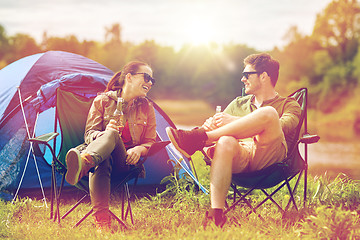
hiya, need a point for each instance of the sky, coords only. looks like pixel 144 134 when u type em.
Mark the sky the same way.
pixel 261 24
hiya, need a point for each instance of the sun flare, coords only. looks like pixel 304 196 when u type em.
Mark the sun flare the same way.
pixel 200 31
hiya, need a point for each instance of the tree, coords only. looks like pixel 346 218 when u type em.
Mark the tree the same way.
pixel 22 45
pixel 4 44
pixel 114 51
pixel 113 34
pixel 68 44
pixel 337 29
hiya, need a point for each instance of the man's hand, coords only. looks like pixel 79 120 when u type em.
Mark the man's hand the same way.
pixel 208 125
pixel 218 120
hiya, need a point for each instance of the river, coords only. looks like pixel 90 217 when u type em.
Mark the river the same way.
pixel 334 158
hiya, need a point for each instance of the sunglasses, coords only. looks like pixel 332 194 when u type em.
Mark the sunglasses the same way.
pixel 247 74
pixel 147 78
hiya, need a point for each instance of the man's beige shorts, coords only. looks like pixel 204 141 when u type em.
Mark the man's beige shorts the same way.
pixel 255 155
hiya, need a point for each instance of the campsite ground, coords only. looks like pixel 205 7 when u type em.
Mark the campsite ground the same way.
pixel 332 211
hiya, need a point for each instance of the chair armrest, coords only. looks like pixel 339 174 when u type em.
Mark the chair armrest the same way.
pixel 155 147
pixel 44 138
pixel 309 139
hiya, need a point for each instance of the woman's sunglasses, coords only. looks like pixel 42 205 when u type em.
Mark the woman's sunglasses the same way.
pixel 147 78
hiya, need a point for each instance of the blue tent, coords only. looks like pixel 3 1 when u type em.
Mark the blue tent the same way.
pixel 27 109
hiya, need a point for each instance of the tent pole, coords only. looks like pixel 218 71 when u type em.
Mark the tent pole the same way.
pixel 185 169
pixel 30 150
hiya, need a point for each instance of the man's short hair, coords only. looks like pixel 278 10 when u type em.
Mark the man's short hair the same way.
pixel 263 62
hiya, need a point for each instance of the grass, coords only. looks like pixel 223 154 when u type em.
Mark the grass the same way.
pixel 332 212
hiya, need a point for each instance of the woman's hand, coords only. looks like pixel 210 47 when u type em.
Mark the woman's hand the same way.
pixel 112 126
pixel 134 154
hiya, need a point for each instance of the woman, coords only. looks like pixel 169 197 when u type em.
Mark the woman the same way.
pixel 111 147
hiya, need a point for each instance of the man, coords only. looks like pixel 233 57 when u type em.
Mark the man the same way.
pixel 249 135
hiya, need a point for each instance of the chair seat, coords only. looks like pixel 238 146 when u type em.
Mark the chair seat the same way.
pixel 267 177
pixel 264 178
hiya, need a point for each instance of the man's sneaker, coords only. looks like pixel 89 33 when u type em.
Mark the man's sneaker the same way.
pixel 187 142
pixel 77 166
pixel 215 216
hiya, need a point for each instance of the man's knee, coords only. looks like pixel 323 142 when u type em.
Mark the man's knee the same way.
pixel 227 144
pixel 268 114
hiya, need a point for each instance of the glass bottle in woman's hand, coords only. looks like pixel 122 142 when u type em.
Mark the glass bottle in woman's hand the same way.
pixel 117 119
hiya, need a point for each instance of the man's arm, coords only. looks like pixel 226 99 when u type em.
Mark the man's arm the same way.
pixel 290 117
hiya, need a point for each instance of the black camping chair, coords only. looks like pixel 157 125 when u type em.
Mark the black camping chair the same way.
pixel 57 166
pixel 279 174
pixel 71 112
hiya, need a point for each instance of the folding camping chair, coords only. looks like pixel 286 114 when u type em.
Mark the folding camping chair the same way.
pixel 71 111
pixel 279 174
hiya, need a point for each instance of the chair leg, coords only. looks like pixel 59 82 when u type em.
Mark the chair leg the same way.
pixel 52 193
pixel 269 197
pixel 126 198
pixel 246 201
pixel 129 210
pixel 53 176
pixel 305 185
pixel 242 197
pixel 118 219
pixel 123 204
pixel 75 205
pixel 291 196
pixel 57 213
pixel 83 218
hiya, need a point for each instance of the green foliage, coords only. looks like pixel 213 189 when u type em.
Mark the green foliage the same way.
pixel 340 192
pixel 331 223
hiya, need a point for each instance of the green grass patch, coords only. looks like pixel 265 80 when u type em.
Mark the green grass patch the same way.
pixel 332 212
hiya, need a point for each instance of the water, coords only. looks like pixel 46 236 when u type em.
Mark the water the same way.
pixel 334 158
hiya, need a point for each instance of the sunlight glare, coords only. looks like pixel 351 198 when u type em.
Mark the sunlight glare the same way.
pixel 200 31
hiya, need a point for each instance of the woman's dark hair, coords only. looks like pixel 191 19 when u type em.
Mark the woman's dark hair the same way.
pixel 118 79
pixel 263 62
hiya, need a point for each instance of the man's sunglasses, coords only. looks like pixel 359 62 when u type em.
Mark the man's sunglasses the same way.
pixel 147 78
pixel 247 74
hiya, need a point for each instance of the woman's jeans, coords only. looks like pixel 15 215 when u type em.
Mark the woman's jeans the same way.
pixel 109 154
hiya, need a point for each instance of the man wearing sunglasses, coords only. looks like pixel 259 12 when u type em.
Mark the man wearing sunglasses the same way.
pixel 250 134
